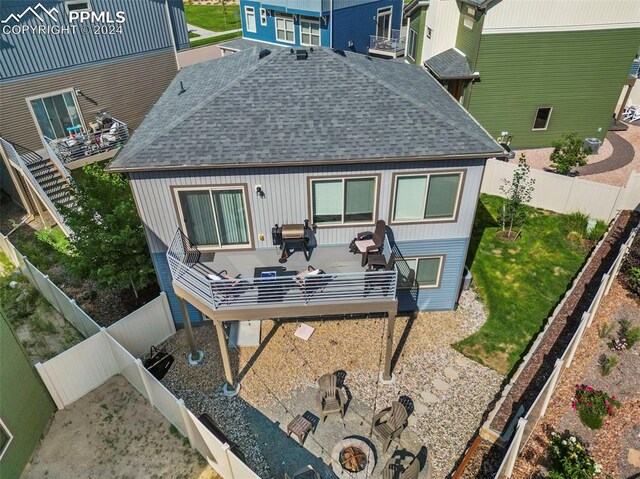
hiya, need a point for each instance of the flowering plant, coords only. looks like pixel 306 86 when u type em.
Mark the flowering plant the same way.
pixel 593 405
pixel 570 459
pixel 618 344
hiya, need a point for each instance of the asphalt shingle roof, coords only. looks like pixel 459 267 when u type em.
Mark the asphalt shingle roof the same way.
pixel 334 106
pixel 238 44
pixel 449 65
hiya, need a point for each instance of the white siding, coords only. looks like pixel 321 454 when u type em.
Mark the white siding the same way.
pixel 442 18
pixel 561 15
pixel 286 200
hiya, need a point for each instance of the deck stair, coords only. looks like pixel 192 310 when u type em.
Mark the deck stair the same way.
pixel 47 178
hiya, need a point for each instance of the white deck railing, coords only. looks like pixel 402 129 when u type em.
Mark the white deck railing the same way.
pixel 361 286
pixel 394 43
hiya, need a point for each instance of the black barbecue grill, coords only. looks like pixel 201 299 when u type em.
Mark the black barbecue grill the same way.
pixel 290 237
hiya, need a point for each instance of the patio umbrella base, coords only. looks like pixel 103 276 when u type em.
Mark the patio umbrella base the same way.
pixel 197 360
pixel 231 392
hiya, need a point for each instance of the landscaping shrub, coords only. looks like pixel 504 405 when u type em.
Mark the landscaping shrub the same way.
pixel 54 238
pixel 570 459
pixel 628 335
pixel 576 228
pixel 607 363
pixel 593 405
pixel 630 270
pixel 567 153
pixel 606 330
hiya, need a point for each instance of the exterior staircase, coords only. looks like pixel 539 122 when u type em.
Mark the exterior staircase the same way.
pixel 47 180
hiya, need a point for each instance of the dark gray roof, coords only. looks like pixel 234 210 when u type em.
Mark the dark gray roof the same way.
pixel 238 44
pixel 450 65
pixel 242 110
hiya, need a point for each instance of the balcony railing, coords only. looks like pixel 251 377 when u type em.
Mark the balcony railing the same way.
pixel 82 145
pixel 361 286
pixel 392 45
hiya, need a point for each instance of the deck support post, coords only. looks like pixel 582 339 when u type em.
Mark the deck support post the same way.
pixel 231 388
pixel 196 356
pixel 387 376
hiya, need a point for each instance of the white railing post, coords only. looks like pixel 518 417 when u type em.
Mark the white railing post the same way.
pixel 167 311
pixel 54 299
pixel 226 450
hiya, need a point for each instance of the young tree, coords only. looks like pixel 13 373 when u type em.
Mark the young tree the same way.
pixel 517 193
pixel 567 153
pixel 108 242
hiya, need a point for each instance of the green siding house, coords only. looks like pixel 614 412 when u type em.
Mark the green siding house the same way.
pixel 25 405
pixel 528 74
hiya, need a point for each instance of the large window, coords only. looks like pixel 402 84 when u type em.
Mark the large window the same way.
pixel 250 19
pixel 423 272
pixel 215 217
pixel 426 197
pixel 309 31
pixel 543 115
pixel 55 114
pixel 5 438
pixel 412 44
pixel 343 200
pixel 284 28
pixel 383 22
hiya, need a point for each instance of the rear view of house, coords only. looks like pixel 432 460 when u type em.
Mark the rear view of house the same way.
pixel 76 77
pixel 528 70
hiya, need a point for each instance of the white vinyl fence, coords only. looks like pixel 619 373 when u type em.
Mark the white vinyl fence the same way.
pixel 115 350
pixel 66 306
pixel 86 366
pixel 566 195
pixel 526 425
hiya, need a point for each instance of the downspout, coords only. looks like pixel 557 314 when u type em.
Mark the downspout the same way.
pixel 331 24
pixel 173 38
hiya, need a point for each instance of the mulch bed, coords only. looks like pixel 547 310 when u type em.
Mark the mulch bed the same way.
pixel 534 375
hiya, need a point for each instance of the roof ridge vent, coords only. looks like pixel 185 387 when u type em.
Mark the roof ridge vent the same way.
pixel 263 53
pixel 302 54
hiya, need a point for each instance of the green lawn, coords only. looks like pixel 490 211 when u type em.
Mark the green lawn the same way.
pixel 519 283
pixel 211 17
pixel 216 39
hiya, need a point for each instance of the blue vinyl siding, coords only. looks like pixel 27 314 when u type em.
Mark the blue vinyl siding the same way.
pixel 145 30
pixel 354 21
pixel 356 24
pixel 164 278
pixel 446 296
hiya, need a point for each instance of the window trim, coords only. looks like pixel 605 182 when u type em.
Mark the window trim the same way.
pixel 76 2
pixel 415 43
pixel 469 14
pixel 310 20
pixel 4 427
pixel 251 9
pixel 546 126
pixel 376 198
pixel 29 99
pixel 263 17
pixel 456 212
pixel 275 26
pixel 438 284
pixel 384 10
pixel 227 186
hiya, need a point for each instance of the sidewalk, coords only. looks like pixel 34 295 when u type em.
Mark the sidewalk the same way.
pixel 202 33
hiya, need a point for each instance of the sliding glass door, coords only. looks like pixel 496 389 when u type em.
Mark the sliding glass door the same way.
pixel 55 114
pixel 215 217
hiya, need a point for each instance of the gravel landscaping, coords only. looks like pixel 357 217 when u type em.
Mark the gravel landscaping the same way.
pixel 450 393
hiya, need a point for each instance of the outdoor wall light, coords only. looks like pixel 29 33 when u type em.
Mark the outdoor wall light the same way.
pixel 259 191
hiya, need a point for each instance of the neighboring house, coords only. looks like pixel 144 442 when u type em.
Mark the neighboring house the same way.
pixel 528 70
pixel 256 139
pixel 363 26
pixel 75 77
pixel 25 405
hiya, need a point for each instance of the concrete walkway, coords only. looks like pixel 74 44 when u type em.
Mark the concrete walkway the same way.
pixel 621 156
pixel 203 33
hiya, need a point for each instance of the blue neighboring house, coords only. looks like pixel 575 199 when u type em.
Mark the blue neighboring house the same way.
pixel 362 26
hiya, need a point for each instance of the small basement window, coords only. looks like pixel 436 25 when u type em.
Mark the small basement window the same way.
pixel 77 6
pixel 263 17
pixel 543 115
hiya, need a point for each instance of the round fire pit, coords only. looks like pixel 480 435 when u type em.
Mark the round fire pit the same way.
pixel 353 459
